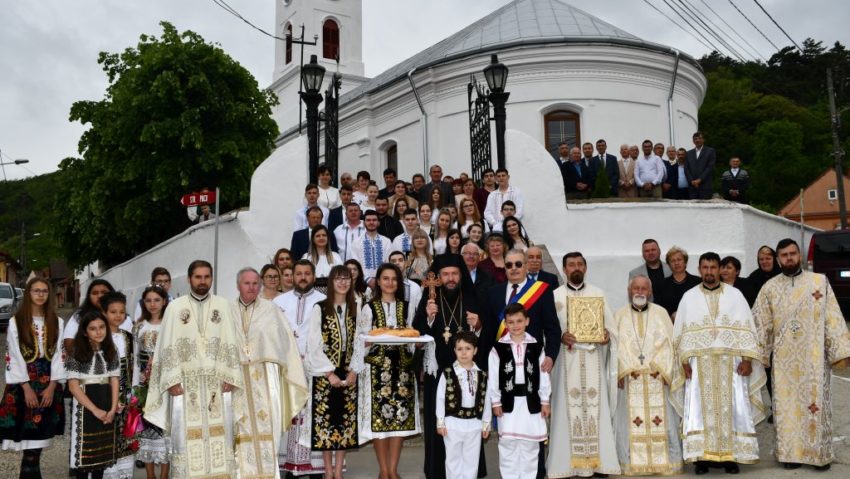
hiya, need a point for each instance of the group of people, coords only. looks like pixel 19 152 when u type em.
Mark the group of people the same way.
pixel 649 171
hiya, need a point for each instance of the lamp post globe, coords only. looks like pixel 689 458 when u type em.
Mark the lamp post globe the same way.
pixel 496 75
pixel 312 76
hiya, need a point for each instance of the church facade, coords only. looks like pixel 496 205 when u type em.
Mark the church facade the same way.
pixel 573 78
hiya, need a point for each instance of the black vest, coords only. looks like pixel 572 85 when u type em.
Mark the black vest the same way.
pixel 507 373
pixel 454 396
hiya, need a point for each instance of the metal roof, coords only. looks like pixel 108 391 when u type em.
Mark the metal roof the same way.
pixel 520 22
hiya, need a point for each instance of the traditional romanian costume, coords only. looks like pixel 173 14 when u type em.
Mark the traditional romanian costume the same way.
pixel 153 442
pixel 463 408
pixel 123 468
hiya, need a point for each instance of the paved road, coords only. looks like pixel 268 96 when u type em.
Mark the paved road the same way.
pixel 362 465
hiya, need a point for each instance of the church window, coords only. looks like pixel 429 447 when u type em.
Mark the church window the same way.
pixel 561 126
pixel 392 156
pixel 288 32
pixel 330 39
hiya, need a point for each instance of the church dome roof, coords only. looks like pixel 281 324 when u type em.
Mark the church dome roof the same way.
pixel 519 23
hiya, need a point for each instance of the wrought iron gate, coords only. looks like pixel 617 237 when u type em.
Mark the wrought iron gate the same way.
pixel 331 121
pixel 479 129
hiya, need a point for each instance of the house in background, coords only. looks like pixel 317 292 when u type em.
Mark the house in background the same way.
pixel 8 269
pixel 820 202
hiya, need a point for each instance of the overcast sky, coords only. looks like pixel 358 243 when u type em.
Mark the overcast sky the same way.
pixel 49 48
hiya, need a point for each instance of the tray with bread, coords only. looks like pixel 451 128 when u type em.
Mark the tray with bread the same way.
pixel 396 336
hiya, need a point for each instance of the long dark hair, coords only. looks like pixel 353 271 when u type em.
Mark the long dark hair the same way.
pixel 81 350
pixel 454 232
pixel 358 285
pixel 314 251
pixel 146 315
pixel 87 305
pixel 399 292
pixel 350 302
pixel 23 320
pixel 522 233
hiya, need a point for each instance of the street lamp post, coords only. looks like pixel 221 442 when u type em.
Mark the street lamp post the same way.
pixel 496 75
pixel 15 162
pixel 312 74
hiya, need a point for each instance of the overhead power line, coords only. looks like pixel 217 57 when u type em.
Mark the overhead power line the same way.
pixel 698 19
pixel 754 49
pixel 677 24
pixel 697 30
pixel 227 8
pixel 778 26
pixel 754 25
pixel 717 28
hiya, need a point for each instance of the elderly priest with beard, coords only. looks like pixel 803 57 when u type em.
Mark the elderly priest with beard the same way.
pixel 275 385
pixel 805 336
pixel 718 383
pixel 454 307
pixel 645 424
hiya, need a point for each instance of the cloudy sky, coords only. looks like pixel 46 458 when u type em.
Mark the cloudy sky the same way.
pixel 48 48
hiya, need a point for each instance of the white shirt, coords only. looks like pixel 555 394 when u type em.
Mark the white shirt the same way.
pixel 649 169
pixel 74 324
pixel 300 324
pixel 493 211
pixel 511 287
pixel 323 268
pixel 359 198
pixel 412 294
pixel 368 257
pixel 301 217
pixel 329 198
pixel 398 242
pixel 345 236
pixel 468 382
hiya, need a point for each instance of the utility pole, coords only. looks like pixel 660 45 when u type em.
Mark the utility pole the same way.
pixel 837 152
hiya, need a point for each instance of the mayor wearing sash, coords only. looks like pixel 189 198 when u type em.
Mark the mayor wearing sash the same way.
pixel 453 308
pixel 536 297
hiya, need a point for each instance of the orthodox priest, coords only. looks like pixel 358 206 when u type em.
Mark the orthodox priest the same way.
pixel 454 307
pixel 718 383
pixel 804 337
pixel 195 366
pixel 647 427
pixel 275 385
pixel 584 384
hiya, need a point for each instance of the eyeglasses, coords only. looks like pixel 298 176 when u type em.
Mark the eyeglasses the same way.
pixel 40 292
pixel 511 265
pixel 270 276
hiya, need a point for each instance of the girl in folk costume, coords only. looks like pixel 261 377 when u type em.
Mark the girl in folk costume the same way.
pixel 97 288
pixel 31 411
pixel 153 444
pixel 419 260
pixel 92 368
pixel 387 397
pixel 115 309
pixel 329 361
pixel 463 409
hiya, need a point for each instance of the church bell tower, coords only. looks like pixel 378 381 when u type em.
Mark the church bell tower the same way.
pixel 337 28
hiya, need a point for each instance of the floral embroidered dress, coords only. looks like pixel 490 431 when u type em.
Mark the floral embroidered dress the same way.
pixel 31 428
pixel 93 443
pixel 387 397
pixel 123 468
pixel 153 442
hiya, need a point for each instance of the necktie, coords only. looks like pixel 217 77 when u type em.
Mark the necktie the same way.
pixel 513 293
pixel 532 277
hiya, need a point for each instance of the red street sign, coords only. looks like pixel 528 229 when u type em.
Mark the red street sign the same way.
pixel 197 199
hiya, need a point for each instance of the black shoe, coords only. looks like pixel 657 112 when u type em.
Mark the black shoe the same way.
pixel 140 465
pixel 599 474
pixel 700 469
pixel 791 465
pixel 770 419
pixel 731 468
pixel 823 468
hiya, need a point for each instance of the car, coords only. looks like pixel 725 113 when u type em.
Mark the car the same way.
pixel 19 297
pixel 829 254
pixel 7 304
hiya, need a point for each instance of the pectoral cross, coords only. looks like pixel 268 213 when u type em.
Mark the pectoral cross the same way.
pixel 641 357
pixel 447 335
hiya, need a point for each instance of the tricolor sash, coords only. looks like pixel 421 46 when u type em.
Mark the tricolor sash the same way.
pixel 527 296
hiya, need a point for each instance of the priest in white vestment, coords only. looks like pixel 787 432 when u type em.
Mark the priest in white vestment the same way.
pixel 275 385
pixel 195 366
pixel 584 388
pixel 719 379
pixel 645 423
pixel 805 337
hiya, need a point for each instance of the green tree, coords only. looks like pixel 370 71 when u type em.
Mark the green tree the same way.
pixel 179 114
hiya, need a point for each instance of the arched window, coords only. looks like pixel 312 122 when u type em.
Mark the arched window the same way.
pixel 330 39
pixel 287 31
pixel 561 126
pixel 392 157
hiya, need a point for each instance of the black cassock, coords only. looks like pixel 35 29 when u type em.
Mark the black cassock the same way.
pixel 435 451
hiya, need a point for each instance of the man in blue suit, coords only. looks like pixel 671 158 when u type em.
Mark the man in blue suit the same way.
pixel 608 163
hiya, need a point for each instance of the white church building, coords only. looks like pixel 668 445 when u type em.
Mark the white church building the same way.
pixel 573 77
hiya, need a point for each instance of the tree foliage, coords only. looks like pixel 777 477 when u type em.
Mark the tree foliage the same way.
pixel 179 114
pixel 775 116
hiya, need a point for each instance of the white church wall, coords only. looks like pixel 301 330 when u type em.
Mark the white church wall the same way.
pixel 610 234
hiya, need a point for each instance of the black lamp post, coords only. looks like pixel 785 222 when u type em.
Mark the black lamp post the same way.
pixel 496 75
pixel 312 75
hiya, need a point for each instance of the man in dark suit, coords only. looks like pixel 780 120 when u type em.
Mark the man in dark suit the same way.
pixel 389 184
pixel 300 242
pixel 543 319
pixel 337 215
pixel 671 175
pixel 699 168
pixel 609 164
pixel 577 177
pixel 735 181
pixel 535 268
pixel 436 174
pixel 481 280
pixel 593 164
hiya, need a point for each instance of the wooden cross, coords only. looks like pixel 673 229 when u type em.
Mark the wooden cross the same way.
pixel 432 282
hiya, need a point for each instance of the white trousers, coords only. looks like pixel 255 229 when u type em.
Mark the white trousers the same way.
pixel 462 452
pixel 518 458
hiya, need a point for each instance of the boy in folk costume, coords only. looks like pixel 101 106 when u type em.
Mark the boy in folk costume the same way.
pixel 519 390
pixel 463 409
